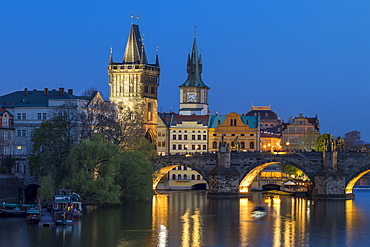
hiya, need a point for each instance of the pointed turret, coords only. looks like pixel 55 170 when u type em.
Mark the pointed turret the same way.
pixel 111 56
pixel 135 52
pixel 194 69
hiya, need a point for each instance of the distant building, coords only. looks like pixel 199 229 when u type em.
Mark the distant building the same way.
pixel 240 132
pixel 6 134
pixel 300 133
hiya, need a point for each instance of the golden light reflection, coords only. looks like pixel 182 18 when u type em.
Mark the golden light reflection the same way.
pixel 197 228
pixel 244 217
pixel 248 179
pixel 185 239
pixel 160 218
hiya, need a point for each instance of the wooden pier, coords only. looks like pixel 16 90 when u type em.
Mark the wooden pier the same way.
pixel 46 219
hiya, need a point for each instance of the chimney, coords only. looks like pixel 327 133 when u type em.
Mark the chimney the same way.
pixel 70 91
pixel 61 90
pixel 25 91
pixel 46 91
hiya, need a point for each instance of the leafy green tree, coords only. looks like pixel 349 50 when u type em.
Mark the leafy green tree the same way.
pixel 320 143
pixel 91 167
pixel 352 140
pixel 308 140
pixel 46 191
pixel 291 170
pixel 52 143
pixel 134 175
pixel 144 146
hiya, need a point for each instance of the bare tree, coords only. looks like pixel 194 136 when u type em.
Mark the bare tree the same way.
pixel 352 140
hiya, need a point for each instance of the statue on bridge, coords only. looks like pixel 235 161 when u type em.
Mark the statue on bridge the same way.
pixel 340 144
pixel 332 145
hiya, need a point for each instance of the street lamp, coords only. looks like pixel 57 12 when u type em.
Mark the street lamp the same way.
pixel 287 145
pixel 196 148
pixel 186 149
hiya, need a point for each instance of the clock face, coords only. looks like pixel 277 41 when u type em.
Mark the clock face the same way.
pixel 191 97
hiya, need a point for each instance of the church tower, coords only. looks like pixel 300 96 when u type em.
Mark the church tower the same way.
pixel 193 92
pixel 134 83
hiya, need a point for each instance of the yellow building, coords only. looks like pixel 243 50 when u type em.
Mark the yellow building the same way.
pixel 240 132
pixel 183 178
pixel 300 133
pixel 133 84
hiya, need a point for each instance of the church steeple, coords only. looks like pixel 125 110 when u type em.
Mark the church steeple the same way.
pixel 135 52
pixel 194 69
pixel 194 92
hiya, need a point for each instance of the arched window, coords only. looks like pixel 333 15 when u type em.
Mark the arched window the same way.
pixel 214 144
pixel 179 177
pixel 192 177
pixel 251 145
pixel 198 177
pixel 185 177
pixel 242 145
pixel 173 176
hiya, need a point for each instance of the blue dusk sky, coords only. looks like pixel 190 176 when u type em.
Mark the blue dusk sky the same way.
pixel 310 57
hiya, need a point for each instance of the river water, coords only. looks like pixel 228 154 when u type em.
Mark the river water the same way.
pixel 193 219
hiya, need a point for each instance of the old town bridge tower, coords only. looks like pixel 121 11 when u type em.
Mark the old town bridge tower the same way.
pixel 134 84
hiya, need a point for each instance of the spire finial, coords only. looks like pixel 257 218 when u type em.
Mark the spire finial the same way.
pixel 132 18
pixel 195 31
pixel 138 18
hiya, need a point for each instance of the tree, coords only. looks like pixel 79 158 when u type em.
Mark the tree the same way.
pixel 91 168
pixel 352 140
pixel 291 170
pixel 320 143
pixel 308 140
pixel 7 164
pixel 134 175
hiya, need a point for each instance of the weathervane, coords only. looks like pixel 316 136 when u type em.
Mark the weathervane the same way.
pixel 138 18
pixel 195 31
pixel 132 17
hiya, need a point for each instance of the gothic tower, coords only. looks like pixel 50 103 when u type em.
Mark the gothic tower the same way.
pixel 134 83
pixel 193 92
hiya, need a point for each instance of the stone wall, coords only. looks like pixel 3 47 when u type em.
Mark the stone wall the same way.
pixel 11 188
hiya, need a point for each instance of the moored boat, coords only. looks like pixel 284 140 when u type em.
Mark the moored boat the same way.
pixel 259 211
pixel 66 200
pixel 63 218
pixel 33 216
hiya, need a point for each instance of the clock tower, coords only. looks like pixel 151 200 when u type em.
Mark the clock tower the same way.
pixel 193 92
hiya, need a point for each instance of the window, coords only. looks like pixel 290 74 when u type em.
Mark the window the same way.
pixel 192 177
pixel 21 132
pixel 5 122
pixel 198 177
pixel 185 137
pixel 214 144
pixel 39 116
pixel 174 137
pixel 163 144
pixel 159 134
pixel 159 144
pixel 193 137
pixel 204 147
pixel 199 137
pixel 180 137
pixel 179 168
pixel 44 116
pixel 179 146
pixel 10 136
pixel 179 177
pixel 6 151
pixel 241 134
pixel 242 145
pixel 232 134
pixel 5 136
pixel 173 176
pixel 174 147
pixel 204 137
pixel 232 122
pixel 185 177
pixel 214 134
pixel 193 147
pixel 251 145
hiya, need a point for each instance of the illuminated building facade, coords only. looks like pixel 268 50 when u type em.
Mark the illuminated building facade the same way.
pixel 300 133
pixel 240 132
pixel 134 84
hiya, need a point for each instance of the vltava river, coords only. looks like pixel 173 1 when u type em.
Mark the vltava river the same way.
pixel 192 219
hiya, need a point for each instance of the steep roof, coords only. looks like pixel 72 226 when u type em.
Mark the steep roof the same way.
pixel 194 69
pixel 216 120
pixel 135 52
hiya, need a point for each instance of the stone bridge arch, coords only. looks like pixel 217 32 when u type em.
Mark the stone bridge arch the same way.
pixel 165 168
pixel 355 176
pixel 253 170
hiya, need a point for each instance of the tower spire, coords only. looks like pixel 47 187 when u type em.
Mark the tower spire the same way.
pixel 135 52
pixel 111 55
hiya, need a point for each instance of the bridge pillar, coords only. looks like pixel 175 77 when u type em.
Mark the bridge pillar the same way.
pixel 223 180
pixel 329 182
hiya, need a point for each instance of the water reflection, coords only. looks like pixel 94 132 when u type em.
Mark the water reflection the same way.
pixel 193 219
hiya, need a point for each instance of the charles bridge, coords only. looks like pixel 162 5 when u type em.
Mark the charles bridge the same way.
pixel 333 174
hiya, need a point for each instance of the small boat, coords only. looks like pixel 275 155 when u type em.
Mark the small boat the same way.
pixel 33 216
pixel 63 218
pixel 259 211
pixel 16 212
pixel 66 200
